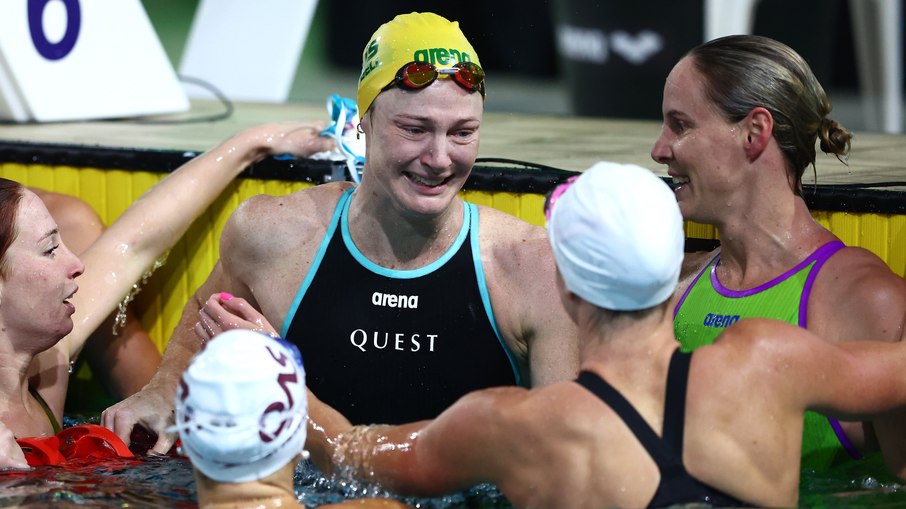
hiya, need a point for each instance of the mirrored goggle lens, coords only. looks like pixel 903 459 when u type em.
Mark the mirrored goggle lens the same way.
pixel 418 75
pixel 469 75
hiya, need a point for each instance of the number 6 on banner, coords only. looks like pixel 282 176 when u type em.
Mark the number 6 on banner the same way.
pixel 46 48
pixel 82 59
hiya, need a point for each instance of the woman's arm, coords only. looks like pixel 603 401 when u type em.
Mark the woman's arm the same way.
pixel 163 214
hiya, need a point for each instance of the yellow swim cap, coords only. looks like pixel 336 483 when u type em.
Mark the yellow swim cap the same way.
pixel 417 36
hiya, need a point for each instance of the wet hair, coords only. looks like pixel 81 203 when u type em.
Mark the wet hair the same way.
pixel 742 72
pixel 11 193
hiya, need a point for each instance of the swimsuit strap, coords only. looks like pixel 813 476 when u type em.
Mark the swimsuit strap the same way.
pixel 50 416
pixel 675 401
pixel 820 257
pixel 653 444
pixel 676 486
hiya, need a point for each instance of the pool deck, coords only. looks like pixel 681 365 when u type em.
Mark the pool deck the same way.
pixel 568 143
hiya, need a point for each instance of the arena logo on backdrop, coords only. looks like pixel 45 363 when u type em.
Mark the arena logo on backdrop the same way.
pixel 636 49
pixel 595 45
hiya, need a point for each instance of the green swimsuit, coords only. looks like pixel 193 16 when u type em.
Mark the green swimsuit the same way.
pixel 50 416
pixel 707 308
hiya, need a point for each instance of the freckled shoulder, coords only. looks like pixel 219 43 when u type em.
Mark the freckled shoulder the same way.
pixel 509 239
pixel 517 260
pixel 520 273
pixel 265 226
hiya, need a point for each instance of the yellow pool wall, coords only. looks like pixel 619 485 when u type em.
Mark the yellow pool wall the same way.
pixel 163 296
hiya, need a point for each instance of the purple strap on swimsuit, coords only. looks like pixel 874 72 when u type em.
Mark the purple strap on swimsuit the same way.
pixel 820 256
pixel 844 440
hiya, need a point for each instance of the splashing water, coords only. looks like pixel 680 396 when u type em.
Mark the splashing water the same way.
pixel 352 455
pixel 314 489
pixel 120 321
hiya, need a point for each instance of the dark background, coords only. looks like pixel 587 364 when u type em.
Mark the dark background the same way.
pixel 517 45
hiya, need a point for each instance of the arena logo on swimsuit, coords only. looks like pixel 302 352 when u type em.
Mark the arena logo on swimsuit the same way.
pixel 712 320
pixel 394 301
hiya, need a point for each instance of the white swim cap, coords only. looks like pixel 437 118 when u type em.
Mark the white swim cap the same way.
pixel 241 407
pixel 617 236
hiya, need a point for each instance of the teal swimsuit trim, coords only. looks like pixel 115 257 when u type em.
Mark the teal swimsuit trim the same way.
pixel 315 263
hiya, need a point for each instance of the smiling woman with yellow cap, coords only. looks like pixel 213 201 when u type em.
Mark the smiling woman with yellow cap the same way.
pixel 430 42
pixel 401 296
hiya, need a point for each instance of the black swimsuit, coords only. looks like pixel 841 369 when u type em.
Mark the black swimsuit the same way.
pixel 391 346
pixel 677 486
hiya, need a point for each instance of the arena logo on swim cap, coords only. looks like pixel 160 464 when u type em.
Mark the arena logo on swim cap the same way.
pixel 442 56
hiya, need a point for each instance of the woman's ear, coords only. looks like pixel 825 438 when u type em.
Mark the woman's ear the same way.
pixel 758 127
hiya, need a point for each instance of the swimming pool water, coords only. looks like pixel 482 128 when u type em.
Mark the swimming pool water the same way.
pixel 134 482
pixel 852 485
pixel 167 482
pixel 314 489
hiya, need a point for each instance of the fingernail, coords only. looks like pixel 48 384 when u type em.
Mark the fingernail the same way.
pixel 226 296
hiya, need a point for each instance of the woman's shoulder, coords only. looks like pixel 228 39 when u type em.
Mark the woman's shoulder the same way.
pixel 267 225
pixel 856 295
pixel 857 266
pixel 502 225
pixel 512 241
pixel 262 214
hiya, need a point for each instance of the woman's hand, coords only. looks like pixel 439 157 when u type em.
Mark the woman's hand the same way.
pixel 223 312
pixel 11 455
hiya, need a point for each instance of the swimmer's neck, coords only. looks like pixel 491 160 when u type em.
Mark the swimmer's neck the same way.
pixel 244 502
pixel 273 491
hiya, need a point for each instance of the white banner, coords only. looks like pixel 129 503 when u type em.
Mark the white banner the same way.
pixel 82 59
pixel 247 50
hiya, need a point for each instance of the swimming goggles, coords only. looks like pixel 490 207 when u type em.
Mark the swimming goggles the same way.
pixel 417 75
